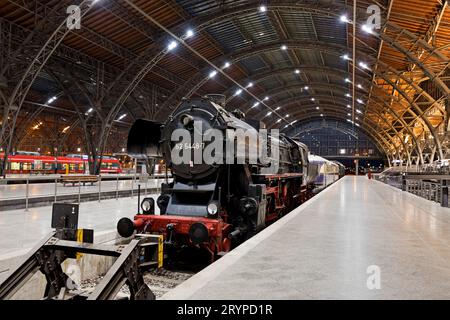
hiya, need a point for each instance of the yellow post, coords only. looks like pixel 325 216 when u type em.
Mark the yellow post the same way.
pixel 67 168
pixel 79 239
pixel 160 251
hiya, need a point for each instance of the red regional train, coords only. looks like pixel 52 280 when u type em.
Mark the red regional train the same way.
pixel 26 162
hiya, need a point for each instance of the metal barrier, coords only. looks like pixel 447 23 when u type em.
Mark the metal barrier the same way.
pixel 433 187
pixel 114 188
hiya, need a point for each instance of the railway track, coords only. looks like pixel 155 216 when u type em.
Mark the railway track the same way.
pixel 159 281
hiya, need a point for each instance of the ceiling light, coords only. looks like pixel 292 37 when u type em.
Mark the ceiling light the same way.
pixel 266 98
pixel 297 71
pixel 363 65
pixel 284 47
pixel 346 57
pixel 359 101
pixel 238 92
pixel 172 45
pixel 189 34
pixel 313 99
pixel 262 8
pixel 255 104
pixel 367 29
pixel 344 18
pixel 250 84
pixel 226 65
pixel 286 116
pixel 277 108
pixel 268 113
pixel 279 120
pixel 51 99
pixel 212 74
pixel 348 95
pixel 306 88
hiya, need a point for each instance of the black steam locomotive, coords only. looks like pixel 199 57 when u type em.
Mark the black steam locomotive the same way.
pixel 218 202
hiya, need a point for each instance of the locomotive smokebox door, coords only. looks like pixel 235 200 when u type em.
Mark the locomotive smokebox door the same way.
pixel 258 191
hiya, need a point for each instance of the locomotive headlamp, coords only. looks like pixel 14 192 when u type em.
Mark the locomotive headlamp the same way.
pixel 212 208
pixel 148 206
pixel 186 120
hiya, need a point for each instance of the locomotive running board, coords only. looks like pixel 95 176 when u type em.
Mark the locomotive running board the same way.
pixel 48 255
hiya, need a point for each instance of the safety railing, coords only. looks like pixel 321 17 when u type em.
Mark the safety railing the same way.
pixel 33 191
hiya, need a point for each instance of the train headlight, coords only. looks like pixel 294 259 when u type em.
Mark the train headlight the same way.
pixel 148 206
pixel 212 208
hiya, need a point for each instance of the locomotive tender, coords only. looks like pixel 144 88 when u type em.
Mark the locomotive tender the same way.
pixel 218 205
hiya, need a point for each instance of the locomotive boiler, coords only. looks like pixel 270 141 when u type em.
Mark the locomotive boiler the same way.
pixel 219 196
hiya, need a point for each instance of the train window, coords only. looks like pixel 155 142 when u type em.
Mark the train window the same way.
pixel 48 166
pixel 26 166
pixel 15 166
pixel 81 167
pixel 109 165
pixel 72 167
pixel 37 165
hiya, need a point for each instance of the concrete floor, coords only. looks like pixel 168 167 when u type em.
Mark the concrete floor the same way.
pixel 20 230
pixel 325 248
pixel 18 191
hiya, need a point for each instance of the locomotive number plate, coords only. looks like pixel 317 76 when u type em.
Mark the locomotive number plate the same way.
pixel 187 146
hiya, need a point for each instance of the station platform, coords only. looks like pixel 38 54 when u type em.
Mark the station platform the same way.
pixel 358 239
pixel 20 230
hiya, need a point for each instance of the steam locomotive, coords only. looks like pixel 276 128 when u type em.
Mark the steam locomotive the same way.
pixel 216 205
